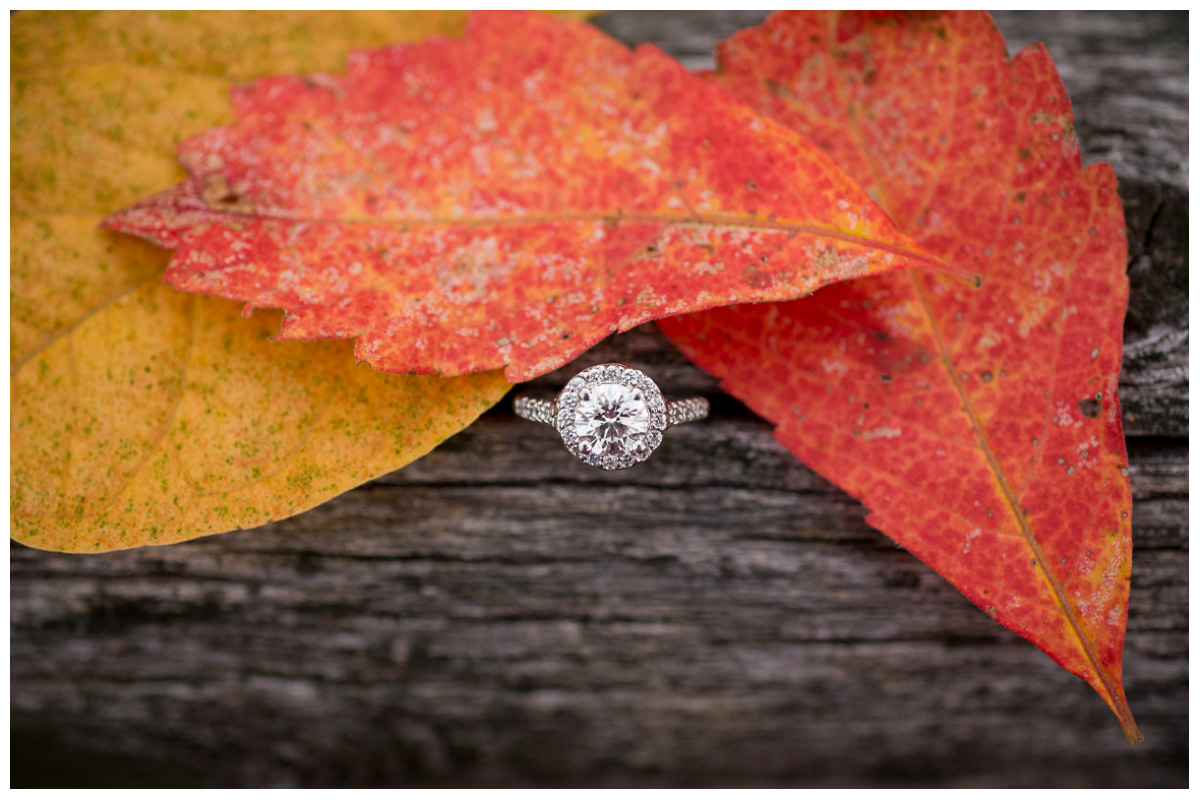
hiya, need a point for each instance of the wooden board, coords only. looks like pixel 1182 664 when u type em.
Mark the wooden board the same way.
pixel 499 614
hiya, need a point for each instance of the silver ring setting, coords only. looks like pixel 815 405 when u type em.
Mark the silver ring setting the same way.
pixel 611 416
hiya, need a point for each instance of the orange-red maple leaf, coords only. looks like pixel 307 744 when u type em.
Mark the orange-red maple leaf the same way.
pixel 981 428
pixel 506 200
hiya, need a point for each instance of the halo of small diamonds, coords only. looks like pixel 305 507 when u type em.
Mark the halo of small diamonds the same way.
pixel 611 416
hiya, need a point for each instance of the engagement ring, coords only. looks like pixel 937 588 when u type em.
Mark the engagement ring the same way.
pixel 611 416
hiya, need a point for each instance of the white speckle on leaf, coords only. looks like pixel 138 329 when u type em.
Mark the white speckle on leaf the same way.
pixel 972 536
pixel 1042 282
pixel 1064 418
pixel 833 367
pixel 485 120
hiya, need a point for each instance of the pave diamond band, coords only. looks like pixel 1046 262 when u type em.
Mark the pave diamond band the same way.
pixel 539 409
pixel 534 408
pixel 611 416
pixel 690 410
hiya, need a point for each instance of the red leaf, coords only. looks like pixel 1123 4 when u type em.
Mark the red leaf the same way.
pixel 509 199
pixel 982 429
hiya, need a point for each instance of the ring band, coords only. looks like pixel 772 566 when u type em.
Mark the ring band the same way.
pixel 611 416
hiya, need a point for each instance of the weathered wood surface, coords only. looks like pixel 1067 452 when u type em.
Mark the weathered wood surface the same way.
pixel 499 614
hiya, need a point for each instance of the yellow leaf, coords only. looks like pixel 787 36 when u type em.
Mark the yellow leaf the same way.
pixel 141 415
pixel 238 45
pixel 93 138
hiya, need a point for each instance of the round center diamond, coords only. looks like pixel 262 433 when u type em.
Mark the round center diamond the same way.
pixel 611 419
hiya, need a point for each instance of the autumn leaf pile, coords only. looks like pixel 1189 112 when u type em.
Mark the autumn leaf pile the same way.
pixel 874 228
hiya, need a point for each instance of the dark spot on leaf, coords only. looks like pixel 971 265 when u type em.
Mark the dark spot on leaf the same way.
pixel 1089 407
pixel 986 377
pixel 756 279
pixel 885 378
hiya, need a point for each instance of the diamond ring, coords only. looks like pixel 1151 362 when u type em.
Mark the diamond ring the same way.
pixel 611 416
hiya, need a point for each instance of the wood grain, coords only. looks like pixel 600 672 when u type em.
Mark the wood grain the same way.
pixel 500 614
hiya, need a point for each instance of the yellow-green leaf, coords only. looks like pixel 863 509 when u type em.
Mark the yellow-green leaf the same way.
pixel 141 415
pixel 238 45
